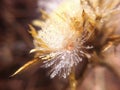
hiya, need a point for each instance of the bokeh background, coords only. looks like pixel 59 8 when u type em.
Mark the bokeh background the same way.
pixel 16 42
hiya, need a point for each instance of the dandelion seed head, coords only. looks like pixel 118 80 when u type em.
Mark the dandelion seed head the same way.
pixel 65 35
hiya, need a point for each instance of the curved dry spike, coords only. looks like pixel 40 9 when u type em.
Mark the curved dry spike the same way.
pixel 41 52
pixel 88 9
pixel 24 67
pixel 38 23
pixel 32 31
pixel 62 17
pixel 106 47
pixel 34 35
pixel 33 50
pixel 114 38
pixel 44 14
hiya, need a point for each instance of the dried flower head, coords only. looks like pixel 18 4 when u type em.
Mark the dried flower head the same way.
pixel 78 29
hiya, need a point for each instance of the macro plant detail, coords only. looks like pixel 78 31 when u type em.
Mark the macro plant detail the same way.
pixel 75 31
